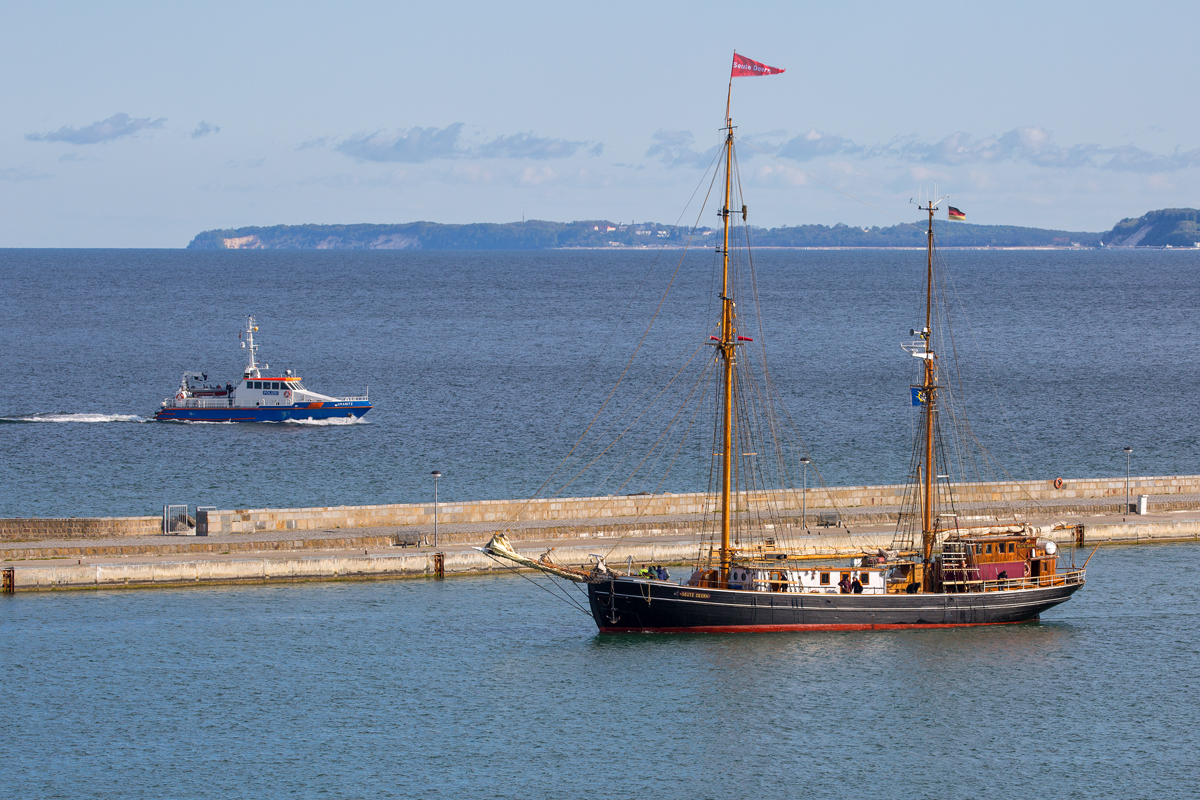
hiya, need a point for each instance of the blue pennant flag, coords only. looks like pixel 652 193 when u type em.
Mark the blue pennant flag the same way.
pixel 918 396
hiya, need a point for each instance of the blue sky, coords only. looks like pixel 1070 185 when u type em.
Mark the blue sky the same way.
pixel 140 124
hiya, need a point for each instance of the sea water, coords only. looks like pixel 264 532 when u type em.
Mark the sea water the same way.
pixel 487 366
pixel 487 687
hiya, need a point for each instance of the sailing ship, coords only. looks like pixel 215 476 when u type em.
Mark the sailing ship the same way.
pixel 935 574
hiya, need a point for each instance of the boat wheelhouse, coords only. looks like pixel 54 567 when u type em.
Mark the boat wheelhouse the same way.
pixel 256 397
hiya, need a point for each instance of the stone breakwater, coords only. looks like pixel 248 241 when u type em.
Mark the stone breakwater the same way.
pixel 210 570
pixel 1074 495
pixel 595 509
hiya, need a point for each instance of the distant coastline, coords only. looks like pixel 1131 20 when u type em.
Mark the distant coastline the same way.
pixel 1165 228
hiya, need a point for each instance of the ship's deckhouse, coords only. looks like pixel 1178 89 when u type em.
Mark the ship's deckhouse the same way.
pixel 824 580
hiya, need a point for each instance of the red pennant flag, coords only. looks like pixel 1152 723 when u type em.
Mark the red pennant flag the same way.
pixel 744 67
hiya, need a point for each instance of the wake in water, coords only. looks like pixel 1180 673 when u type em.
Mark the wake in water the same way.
pixel 323 423
pixel 61 417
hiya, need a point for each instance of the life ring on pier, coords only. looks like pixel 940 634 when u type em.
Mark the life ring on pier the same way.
pixel 1058 483
pixel 179 396
pixel 287 393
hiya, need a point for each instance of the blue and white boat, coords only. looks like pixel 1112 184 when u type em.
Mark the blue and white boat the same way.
pixel 256 398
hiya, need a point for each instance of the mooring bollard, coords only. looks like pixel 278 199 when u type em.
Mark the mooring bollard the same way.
pixel 9 583
pixel 439 565
pixel 1079 536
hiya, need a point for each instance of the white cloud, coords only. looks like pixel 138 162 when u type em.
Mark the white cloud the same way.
pixel 21 174
pixel 418 145
pixel 204 129
pixel 115 127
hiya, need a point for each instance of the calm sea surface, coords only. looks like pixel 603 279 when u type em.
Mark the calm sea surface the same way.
pixel 489 688
pixel 485 365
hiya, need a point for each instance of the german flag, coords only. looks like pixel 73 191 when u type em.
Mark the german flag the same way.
pixel 955 214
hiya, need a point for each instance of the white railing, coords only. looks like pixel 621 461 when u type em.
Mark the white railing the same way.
pixel 1068 578
pixel 361 398
pixel 193 402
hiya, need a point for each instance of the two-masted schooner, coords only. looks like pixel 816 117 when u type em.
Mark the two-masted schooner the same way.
pixel 936 574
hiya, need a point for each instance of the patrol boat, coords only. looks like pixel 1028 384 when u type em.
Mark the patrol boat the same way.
pixel 255 398
pixel 752 575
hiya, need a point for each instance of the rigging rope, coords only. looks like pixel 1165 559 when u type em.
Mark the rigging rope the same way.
pixel 828 185
pixel 564 597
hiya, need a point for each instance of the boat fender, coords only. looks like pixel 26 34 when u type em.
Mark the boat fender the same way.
pixel 1058 483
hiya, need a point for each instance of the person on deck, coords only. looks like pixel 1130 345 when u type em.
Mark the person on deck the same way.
pixel 856 586
pixel 844 584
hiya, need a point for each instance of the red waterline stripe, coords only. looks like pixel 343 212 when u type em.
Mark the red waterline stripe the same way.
pixel 799 628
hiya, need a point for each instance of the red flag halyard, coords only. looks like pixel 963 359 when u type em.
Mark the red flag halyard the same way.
pixel 955 214
pixel 744 67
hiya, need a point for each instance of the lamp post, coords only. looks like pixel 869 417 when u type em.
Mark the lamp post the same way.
pixel 805 461
pixel 435 475
pixel 1128 453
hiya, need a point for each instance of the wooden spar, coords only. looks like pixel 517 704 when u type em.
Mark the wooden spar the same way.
pixel 727 350
pixel 928 515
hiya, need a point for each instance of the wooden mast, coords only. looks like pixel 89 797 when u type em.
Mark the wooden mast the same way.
pixel 727 346
pixel 929 387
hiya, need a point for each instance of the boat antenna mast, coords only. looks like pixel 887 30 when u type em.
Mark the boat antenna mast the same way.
pixel 929 387
pixel 252 370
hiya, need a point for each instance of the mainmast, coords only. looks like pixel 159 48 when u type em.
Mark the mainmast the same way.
pixel 929 392
pixel 727 347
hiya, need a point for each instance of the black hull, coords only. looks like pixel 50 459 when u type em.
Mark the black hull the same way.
pixel 629 605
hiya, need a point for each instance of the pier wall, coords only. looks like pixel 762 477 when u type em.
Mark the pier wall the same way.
pixel 38 529
pixel 198 570
pixel 617 512
pixel 351 567
pixel 599 509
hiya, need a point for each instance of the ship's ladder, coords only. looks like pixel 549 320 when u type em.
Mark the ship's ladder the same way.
pixel 958 575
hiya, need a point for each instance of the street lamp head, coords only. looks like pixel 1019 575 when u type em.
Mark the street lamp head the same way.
pixel 1128 450
pixel 436 474
pixel 806 460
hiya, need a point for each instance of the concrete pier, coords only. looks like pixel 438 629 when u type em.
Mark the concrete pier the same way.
pixel 1073 496
pixel 166 570
pixel 99 555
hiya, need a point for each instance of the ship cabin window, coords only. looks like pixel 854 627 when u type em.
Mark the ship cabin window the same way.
pixel 987 549
pixel 978 549
pixel 1012 547
pixel 824 578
